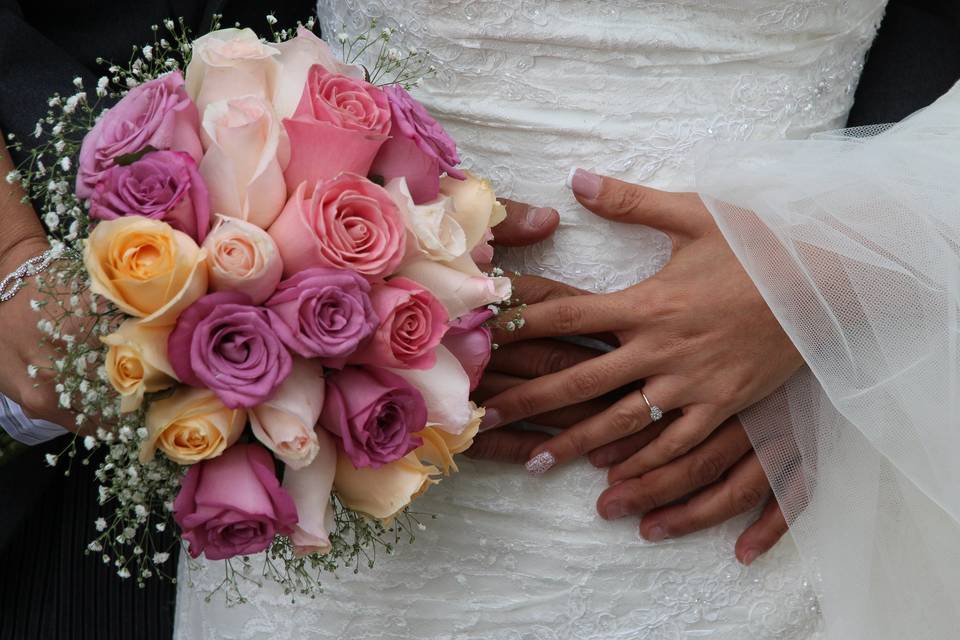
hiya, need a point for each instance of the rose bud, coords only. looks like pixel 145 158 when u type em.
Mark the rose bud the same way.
pixel 243 257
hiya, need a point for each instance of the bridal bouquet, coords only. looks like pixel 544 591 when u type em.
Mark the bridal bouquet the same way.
pixel 266 296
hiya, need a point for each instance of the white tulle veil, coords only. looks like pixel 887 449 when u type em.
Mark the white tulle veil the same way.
pixel 853 238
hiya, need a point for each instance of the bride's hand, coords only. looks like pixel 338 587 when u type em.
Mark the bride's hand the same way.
pixel 698 334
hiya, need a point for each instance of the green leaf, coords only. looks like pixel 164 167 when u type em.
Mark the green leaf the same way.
pixel 130 158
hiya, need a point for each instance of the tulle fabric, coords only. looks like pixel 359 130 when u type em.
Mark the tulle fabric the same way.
pixel 853 239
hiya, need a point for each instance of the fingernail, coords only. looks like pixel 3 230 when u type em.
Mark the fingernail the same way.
pixel 585 184
pixel 615 510
pixel 656 534
pixel 541 463
pixel 749 556
pixel 538 217
pixel 491 420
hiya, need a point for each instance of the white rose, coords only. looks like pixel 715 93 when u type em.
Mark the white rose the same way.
pixel 433 231
pixel 230 63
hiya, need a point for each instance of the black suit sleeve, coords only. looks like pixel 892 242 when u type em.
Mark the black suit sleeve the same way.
pixel 914 60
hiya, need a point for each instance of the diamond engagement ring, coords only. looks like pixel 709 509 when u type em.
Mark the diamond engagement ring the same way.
pixel 656 413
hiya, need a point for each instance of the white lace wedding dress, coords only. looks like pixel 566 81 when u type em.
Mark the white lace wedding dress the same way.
pixel 529 89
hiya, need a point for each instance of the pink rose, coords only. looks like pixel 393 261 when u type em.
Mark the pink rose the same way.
pixel 243 257
pixel 375 414
pixel 339 126
pixel 327 311
pixel 225 344
pixel 156 114
pixel 345 223
pixel 233 505
pixel 419 149
pixel 163 185
pixel 471 343
pixel 296 57
pixel 412 323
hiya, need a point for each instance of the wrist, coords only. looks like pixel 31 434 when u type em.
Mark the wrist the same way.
pixel 18 251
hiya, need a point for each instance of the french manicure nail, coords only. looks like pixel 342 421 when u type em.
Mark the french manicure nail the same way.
pixel 541 463
pixel 491 420
pixel 749 556
pixel 615 510
pixel 585 184
pixel 538 217
pixel 656 534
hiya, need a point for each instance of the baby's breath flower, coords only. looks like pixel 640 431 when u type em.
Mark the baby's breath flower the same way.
pixel 32 370
pixel 124 573
pixel 51 459
pixel 78 82
pixel 64 400
pixel 271 19
pixel 89 442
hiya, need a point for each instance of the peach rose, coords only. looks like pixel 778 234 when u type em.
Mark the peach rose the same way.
pixel 190 426
pixel 381 493
pixel 459 285
pixel 475 206
pixel 432 230
pixel 145 267
pixel 439 445
pixel 296 57
pixel 286 422
pixel 240 166
pixel 229 63
pixel 137 362
pixel 243 257
pixel 310 489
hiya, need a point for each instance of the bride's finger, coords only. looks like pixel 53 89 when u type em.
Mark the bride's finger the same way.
pixel 689 430
pixel 743 489
pixel 625 202
pixel 494 383
pixel 616 452
pixel 575 316
pixel 581 383
pixel 628 416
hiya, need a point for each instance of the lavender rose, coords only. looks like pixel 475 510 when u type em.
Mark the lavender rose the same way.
pixel 327 311
pixel 233 505
pixel 418 149
pixel 374 413
pixel 164 185
pixel 225 344
pixel 157 114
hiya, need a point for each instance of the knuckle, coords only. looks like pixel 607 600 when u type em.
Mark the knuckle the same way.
pixel 626 199
pixel 567 317
pixel 639 501
pixel 706 468
pixel 584 385
pixel 527 405
pixel 552 361
pixel 673 447
pixel 577 441
pixel 745 498
pixel 623 422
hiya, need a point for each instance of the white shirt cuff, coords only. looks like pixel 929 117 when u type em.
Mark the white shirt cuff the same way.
pixel 24 430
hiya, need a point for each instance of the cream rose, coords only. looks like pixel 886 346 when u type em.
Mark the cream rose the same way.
pixel 445 389
pixel 190 426
pixel 432 230
pixel 286 422
pixel 229 63
pixel 475 206
pixel 296 57
pixel 137 362
pixel 439 445
pixel 240 166
pixel 243 257
pixel 459 285
pixel 146 268
pixel 381 493
pixel 310 489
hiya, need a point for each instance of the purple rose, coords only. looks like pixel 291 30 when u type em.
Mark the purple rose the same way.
pixel 471 343
pixel 233 505
pixel 328 313
pixel 418 149
pixel 374 413
pixel 164 185
pixel 156 114
pixel 227 345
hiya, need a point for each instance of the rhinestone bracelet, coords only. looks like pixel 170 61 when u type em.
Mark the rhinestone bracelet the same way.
pixel 10 285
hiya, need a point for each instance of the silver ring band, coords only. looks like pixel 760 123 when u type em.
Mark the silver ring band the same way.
pixel 656 413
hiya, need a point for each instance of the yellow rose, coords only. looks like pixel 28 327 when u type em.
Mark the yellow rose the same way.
pixel 137 362
pixel 190 426
pixel 146 268
pixel 439 446
pixel 382 493
pixel 475 206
